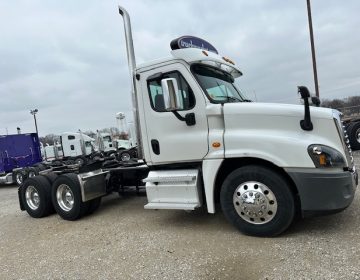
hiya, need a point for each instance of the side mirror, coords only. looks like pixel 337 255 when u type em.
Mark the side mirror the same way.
pixel 170 93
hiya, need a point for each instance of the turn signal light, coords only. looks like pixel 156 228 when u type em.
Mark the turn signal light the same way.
pixel 216 144
pixel 322 160
pixel 326 157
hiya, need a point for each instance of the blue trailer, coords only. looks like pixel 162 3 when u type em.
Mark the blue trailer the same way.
pixel 16 152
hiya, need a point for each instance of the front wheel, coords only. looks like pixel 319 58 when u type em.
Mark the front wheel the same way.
pixel 258 201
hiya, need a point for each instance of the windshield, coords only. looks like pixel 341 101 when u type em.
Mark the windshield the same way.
pixel 88 144
pixel 107 138
pixel 217 84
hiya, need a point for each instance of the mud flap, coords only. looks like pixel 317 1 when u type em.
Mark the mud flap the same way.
pixel 22 208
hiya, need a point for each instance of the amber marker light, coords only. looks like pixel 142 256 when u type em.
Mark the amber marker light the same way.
pixel 216 144
pixel 228 60
pixel 322 160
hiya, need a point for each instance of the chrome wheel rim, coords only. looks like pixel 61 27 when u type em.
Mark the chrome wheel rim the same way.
pixel 32 197
pixel 19 178
pixel 31 174
pixel 125 157
pixel 357 135
pixel 65 197
pixel 255 202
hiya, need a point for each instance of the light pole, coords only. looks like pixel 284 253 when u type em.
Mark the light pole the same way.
pixel 33 112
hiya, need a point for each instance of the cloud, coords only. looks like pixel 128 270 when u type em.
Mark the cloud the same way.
pixel 68 58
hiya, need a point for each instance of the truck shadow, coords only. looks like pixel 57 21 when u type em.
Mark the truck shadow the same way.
pixel 7 186
pixel 197 219
pixel 200 219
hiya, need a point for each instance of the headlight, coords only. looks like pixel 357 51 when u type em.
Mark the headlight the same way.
pixel 324 156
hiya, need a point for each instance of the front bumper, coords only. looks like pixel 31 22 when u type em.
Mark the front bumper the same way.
pixel 324 191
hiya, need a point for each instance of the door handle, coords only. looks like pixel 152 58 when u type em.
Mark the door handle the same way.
pixel 155 146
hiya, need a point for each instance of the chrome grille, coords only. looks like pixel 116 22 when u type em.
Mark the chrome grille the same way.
pixel 346 143
pixel 341 128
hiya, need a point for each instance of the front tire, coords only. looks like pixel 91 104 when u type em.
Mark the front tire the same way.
pixel 258 201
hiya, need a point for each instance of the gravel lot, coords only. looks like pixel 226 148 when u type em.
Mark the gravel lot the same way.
pixel 124 241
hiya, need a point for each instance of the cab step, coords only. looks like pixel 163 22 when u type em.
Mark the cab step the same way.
pixel 173 189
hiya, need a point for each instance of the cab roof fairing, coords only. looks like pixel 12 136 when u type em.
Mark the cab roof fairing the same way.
pixel 192 55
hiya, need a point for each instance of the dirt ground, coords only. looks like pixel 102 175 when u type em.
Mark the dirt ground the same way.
pixel 123 241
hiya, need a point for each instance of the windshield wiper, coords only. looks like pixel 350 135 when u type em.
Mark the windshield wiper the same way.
pixel 229 98
pixel 233 99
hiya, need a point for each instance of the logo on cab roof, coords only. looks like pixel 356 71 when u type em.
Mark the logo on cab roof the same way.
pixel 184 42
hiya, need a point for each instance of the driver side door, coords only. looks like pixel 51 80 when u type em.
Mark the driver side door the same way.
pixel 171 140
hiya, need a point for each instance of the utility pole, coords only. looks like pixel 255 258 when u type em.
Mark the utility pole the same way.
pixel 33 112
pixel 313 49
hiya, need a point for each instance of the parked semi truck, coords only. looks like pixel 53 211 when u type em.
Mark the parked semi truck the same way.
pixel 17 152
pixel 200 141
pixel 351 120
pixel 52 152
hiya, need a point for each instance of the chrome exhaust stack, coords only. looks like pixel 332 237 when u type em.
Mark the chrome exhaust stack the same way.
pixel 132 66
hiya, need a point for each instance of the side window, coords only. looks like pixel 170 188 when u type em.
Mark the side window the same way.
pixel 71 137
pixel 187 98
pixel 72 147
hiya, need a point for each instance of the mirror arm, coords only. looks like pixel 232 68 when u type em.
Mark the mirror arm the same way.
pixel 189 118
pixel 178 116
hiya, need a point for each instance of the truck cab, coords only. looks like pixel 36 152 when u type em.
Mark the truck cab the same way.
pixel 105 142
pixel 205 142
pixel 76 144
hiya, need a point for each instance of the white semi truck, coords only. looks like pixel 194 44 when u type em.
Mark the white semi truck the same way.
pixel 104 142
pixel 72 145
pixel 200 141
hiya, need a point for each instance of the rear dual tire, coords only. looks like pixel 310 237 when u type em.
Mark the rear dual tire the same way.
pixel 66 197
pixel 19 177
pixel 67 200
pixel 35 195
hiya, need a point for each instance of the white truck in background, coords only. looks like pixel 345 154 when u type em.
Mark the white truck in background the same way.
pixel 200 141
pixel 351 119
pixel 104 142
pixel 71 146
pixel 76 144
pixel 52 152
pixel 126 130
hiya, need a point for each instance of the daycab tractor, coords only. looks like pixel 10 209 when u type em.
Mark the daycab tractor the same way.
pixel 351 121
pixel 19 154
pixel 200 141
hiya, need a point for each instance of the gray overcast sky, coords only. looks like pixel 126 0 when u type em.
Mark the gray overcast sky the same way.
pixel 67 58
